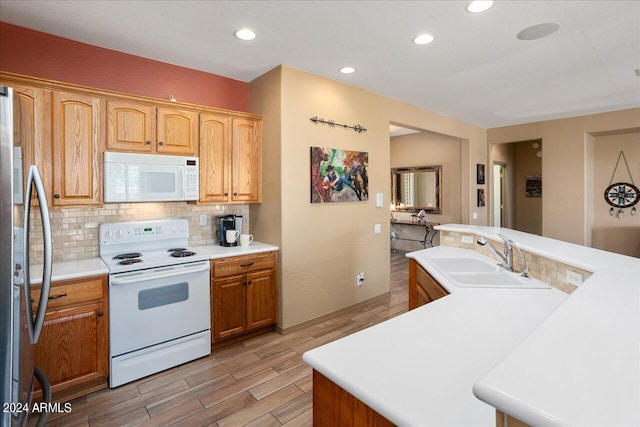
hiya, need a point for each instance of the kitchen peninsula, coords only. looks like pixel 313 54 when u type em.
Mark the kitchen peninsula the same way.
pixel 539 355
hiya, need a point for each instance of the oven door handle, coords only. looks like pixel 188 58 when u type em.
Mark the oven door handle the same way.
pixel 162 275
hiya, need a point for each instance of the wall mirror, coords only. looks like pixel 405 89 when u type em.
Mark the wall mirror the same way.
pixel 416 188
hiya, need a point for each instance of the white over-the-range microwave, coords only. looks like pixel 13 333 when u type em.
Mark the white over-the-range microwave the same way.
pixel 130 177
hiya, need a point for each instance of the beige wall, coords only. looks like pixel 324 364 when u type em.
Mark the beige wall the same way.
pixel 620 235
pixel 427 149
pixel 324 246
pixel 565 167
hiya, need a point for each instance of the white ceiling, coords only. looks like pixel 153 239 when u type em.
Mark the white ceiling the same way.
pixel 476 70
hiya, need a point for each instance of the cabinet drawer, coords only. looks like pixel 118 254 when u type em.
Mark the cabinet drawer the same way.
pixel 243 264
pixel 71 292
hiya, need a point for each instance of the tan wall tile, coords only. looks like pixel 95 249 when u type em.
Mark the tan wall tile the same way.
pixel 75 231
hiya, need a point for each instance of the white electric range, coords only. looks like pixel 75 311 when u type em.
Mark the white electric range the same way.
pixel 159 298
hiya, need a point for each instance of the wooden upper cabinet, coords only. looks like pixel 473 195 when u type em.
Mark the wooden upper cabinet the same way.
pixel 215 158
pixel 247 160
pixel 230 159
pixel 77 149
pixel 144 128
pixel 131 127
pixel 28 131
pixel 177 132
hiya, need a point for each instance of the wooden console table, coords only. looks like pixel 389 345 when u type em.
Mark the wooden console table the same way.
pixel 427 241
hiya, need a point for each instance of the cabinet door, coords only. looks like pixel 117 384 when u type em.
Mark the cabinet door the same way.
pixel 131 127
pixel 215 158
pixel 73 347
pixel 28 131
pixel 423 288
pixel 177 132
pixel 229 307
pixel 261 299
pixel 77 149
pixel 430 286
pixel 247 160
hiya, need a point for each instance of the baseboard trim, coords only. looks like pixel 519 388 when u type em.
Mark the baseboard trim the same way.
pixel 328 316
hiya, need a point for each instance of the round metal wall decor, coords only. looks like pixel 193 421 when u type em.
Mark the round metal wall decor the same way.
pixel 622 195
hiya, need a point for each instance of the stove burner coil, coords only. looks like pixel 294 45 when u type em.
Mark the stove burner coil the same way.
pixel 176 249
pixel 182 254
pixel 128 256
pixel 130 261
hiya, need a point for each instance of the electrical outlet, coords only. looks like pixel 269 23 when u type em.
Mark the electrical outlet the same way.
pixel 574 278
pixel 467 239
pixel 203 219
pixel 474 215
pixel 359 279
pixel 377 229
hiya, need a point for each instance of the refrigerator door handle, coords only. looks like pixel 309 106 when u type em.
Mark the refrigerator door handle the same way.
pixel 35 325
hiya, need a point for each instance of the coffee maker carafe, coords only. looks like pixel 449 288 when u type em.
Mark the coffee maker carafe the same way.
pixel 226 223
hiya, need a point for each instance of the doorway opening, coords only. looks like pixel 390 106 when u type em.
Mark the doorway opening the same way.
pixel 499 193
pixel 516 189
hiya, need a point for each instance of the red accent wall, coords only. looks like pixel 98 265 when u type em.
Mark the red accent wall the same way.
pixel 37 54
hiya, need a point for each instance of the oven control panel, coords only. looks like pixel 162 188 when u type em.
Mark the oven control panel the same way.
pixel 143 231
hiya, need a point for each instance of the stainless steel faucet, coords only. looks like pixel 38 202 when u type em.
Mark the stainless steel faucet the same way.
pixel 507 257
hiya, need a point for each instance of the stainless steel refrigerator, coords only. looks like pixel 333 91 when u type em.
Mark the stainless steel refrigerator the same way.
pixel 21 319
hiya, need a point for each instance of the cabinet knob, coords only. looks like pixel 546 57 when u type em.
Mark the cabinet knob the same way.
pixel 148 142
pixel 100 314
pixel 226 194
pixel 57 196
pixel 235 194
pixel 160 143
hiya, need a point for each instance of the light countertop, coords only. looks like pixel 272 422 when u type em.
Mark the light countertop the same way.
pixel 418 368
pixel 540 355
pixel 65 270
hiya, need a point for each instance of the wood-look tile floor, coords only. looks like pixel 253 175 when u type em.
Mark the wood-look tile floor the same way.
pixel 260 382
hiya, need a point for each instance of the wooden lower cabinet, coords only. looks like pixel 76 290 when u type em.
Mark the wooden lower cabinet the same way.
pixel 423 288
pixel 505 420
pixel 73 350
pixel 334 406
pixel 243 295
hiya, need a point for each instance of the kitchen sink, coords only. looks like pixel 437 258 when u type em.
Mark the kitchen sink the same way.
pixel 497 279
pixel 468 272
pixel 463 265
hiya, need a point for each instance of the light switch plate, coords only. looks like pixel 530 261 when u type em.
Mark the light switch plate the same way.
pixel 467 239
pixel 475 215
pixel 377 229
pixel 379 200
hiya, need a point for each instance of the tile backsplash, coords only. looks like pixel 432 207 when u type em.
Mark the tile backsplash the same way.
pixel 75 230
pixel 551 272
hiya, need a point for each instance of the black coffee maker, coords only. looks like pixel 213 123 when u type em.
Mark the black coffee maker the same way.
pixel 226 223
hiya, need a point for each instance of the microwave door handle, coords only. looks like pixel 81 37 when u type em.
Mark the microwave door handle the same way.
pixel 154 276
pixel 35 325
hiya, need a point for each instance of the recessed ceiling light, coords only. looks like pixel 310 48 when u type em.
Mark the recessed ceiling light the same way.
pixel 538 31
pixel 423 39
pixel 347 70
pixel 477 6
pixel 245 34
